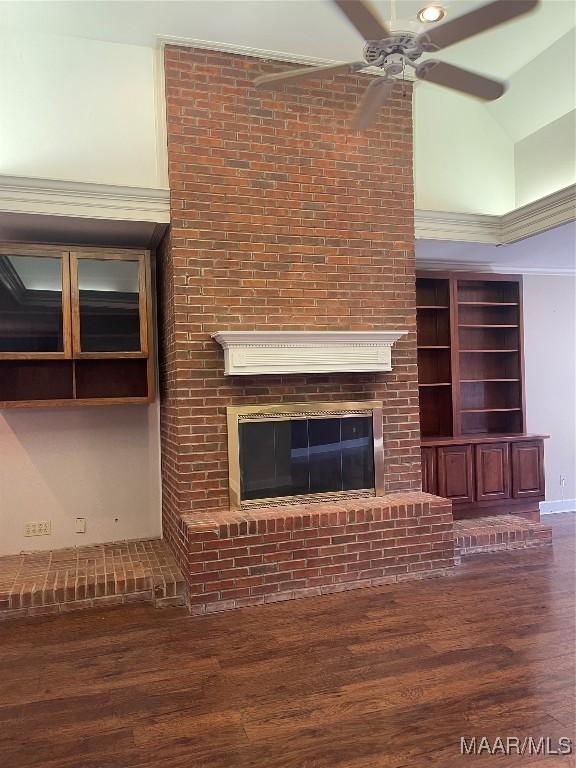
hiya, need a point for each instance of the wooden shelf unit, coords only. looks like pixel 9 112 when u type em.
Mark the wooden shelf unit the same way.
pixel 471 374
pixel 75 326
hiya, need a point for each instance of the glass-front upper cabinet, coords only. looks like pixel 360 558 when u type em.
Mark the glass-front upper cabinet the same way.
pixel 34 303
pixel 109 316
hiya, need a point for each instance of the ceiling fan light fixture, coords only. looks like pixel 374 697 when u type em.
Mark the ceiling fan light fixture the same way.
pixel 431 13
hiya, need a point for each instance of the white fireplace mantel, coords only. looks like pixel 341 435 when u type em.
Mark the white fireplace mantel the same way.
pixel 251 353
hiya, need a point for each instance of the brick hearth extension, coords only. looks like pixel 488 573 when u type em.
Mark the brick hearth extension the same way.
pixel 94 576
pixel 500 532
pixel 237 559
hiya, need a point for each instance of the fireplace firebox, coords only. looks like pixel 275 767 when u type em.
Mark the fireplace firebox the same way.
pixel 288 453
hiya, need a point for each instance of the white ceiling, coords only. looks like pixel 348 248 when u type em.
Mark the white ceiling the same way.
pixel 310 27
pixel 553 251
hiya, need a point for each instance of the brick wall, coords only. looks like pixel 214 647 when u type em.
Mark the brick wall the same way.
pixel 169 404
pixel 282 218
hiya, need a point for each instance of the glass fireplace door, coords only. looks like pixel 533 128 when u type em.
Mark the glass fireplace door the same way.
pixel 305 456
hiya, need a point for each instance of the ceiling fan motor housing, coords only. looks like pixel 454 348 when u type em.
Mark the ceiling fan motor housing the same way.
pixel 391 52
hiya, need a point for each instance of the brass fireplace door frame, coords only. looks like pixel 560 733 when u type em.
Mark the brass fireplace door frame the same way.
pixel 279 412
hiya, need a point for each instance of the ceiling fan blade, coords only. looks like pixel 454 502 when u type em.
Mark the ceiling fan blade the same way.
pixel 377 93
pixel 470 24
pixel 364 17
pixel 459 79
pixel 307 73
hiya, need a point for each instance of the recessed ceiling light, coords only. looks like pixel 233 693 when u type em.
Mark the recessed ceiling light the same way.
pixel 431 13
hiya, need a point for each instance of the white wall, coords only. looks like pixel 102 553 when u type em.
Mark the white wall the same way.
pixel 101 463
pixel 541 91
pixel 79 110
pixel 545 161
pixel 550 360
pixel 463 159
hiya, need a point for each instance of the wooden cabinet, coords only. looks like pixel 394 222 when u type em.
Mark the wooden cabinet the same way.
pixel 492 465
pixel 455 478
pixel 528 469
pixel 75 326
pixel 429 470
pixel 486 476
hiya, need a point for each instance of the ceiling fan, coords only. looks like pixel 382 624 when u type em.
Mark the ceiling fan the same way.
pixel 393 51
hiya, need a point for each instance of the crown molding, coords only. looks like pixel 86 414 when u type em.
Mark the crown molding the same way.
pixel 546 213
pixel 240 50
pixel 463 227
pixel 543 214
pixel 53 197
pixel 498 268
pixel 263 53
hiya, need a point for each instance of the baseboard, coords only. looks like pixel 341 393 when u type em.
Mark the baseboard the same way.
pixel 560 505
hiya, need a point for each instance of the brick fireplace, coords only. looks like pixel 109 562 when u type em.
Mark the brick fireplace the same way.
pixel 283 219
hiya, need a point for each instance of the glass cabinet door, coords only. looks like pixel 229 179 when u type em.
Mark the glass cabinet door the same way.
pixel 34 303
pixel 109 305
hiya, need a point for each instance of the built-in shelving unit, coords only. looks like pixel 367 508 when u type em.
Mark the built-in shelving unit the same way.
pixel 487 339
pixel 434 340
pixel 469 344
pixel 470 365
pixel 75 326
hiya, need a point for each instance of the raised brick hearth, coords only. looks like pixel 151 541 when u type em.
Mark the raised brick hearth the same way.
pixel 237 559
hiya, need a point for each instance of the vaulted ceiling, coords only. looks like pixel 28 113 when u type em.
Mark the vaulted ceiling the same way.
pixel 470 157
pixel 309 27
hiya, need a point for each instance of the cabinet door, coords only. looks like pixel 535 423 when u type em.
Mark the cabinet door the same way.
pixel 34 303
pixel 429 470
pixel 109 304
pixel 527 469
pixel 455 480
pixel 492 471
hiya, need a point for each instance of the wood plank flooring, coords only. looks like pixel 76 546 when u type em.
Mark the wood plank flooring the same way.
pixel 387 677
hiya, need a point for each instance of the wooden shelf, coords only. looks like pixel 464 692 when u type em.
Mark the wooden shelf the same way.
pixel 491 351
pixel 481 381
pixel 437 384
pixel 443 346
pixel 489 410
pixel 478 325
pixel 433 306
pixel 488 303
pixel 494 437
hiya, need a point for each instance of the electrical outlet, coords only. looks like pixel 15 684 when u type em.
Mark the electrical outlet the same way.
pixel 80 525
pixel 563 481
pixel 38 528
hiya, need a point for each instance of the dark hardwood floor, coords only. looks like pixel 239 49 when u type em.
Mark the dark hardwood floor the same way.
pixel 378 678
